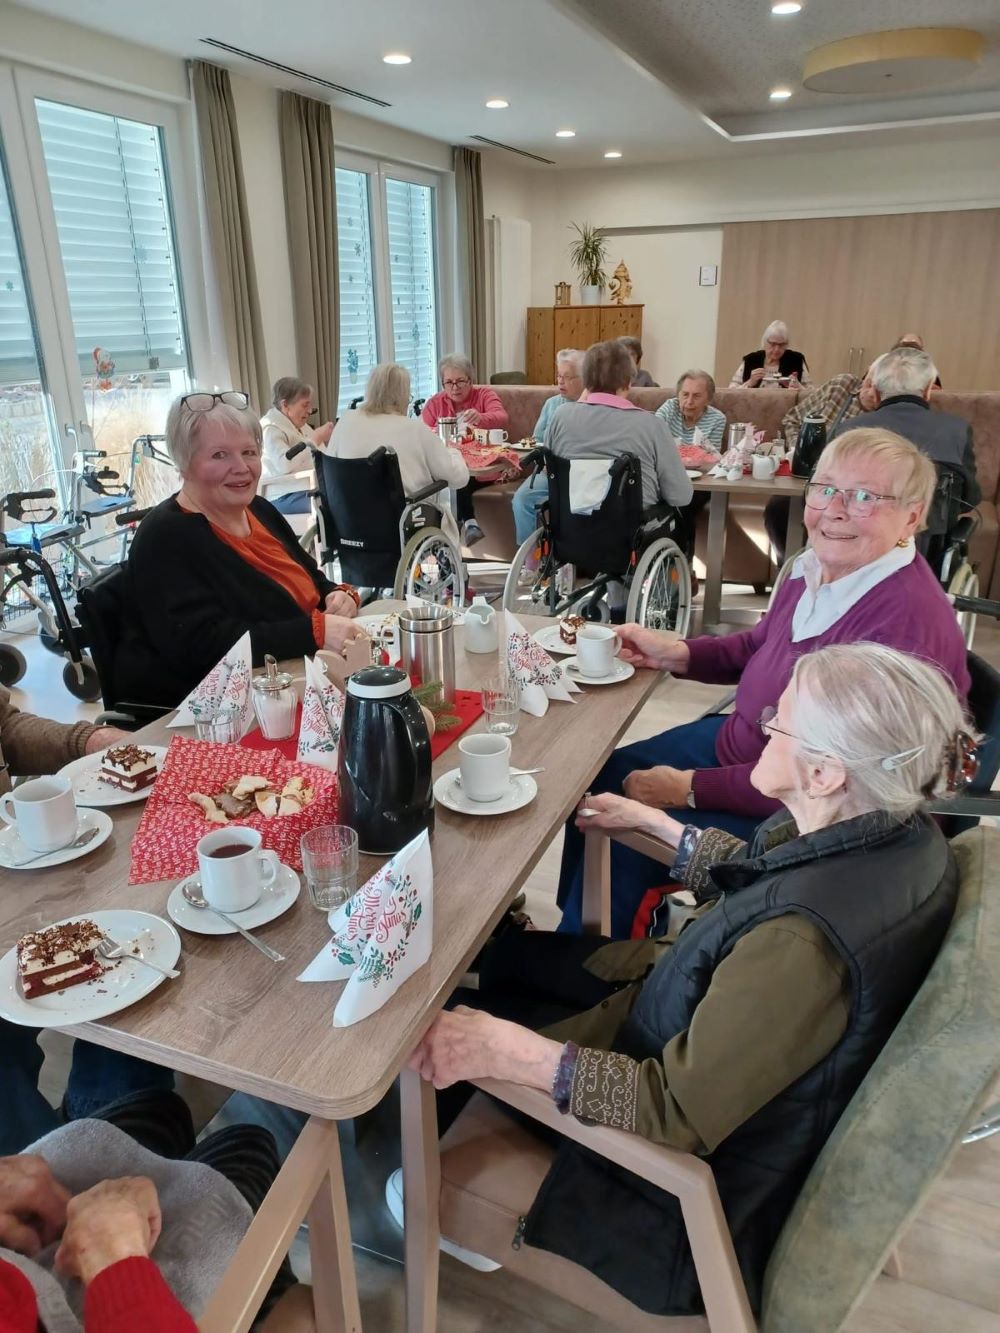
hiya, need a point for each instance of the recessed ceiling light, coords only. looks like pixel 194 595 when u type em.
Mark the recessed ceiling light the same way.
pixel 565 134
pixel 782 7
pixel 396 58
pixel 613 153
pixel 497 104
pixel 780 94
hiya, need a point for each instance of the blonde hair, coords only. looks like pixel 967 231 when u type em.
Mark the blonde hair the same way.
pixel 914 473
pixel 387 392
pixel 891 719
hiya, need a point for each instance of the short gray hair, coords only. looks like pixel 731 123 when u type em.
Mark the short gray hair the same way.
pixel 183 428
pixel 457 361
pixel 387 391
pixel 903 370
pixel 776 329
pixel 891 719
pixel 697 375
pixel 571 356
pixel 288 389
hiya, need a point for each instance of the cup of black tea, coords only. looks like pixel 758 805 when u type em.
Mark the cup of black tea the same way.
pixel 234 869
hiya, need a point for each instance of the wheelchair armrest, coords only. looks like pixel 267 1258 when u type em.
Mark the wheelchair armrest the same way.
pixel 534 458
pixel 963 529
pixel 431 488
pixel 976 806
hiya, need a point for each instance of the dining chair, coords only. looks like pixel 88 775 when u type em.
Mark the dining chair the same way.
pixel 865 1187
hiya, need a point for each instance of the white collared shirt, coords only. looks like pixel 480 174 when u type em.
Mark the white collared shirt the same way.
pixel 823 604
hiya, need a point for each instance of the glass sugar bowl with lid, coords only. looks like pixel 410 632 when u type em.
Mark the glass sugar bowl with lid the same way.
pixel 275 701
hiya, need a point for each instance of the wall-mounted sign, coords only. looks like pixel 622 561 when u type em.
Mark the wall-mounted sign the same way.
pixel 708 275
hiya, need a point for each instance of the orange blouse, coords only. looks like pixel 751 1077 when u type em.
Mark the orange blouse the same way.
pixel 265 553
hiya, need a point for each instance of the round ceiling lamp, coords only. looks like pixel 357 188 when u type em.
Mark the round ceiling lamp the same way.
pixel 908 60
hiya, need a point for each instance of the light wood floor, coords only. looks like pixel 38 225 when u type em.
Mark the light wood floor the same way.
pixel 951 1253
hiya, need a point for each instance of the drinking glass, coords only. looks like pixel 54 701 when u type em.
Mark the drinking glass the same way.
pixel 501 702
pixel 330 864
pixel 222 726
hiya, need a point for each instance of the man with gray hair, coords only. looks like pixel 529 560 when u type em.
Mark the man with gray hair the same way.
pixel 902 382
pixel 533 493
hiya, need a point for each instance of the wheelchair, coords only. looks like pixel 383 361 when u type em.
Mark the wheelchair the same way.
pixel 381 537
pixel 627 545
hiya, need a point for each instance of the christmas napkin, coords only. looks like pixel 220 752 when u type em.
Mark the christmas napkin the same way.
pixel 539 677
pixel 381 936
pixel 226 685
pixel 322 717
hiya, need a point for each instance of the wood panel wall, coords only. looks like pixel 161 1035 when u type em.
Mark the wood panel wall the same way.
pixel 843 283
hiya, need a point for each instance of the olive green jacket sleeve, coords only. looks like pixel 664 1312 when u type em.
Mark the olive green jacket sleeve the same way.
pixel 32 745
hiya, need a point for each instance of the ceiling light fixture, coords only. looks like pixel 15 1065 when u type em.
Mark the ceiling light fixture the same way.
pixel 565 134
pixel 497 104
pixel 783 7
pixel 780 94
pixel 613 153
pixel 396 58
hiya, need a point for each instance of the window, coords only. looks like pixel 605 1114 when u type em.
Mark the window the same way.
pixel 386 232
pixel 358 328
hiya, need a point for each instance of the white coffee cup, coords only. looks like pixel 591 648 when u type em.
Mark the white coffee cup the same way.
pixel 764 467
pixel 484 763
pixel 596 647
pixel 232 882
pixel 498 436
pixel 43 811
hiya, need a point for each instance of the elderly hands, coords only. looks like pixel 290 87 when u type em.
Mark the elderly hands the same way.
pixel 32 1204
pixel 618 812
pixel 656 650
pixel 754 378
pixel 466 1043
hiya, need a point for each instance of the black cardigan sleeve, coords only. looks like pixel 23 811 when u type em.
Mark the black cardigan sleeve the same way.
pixel 189 594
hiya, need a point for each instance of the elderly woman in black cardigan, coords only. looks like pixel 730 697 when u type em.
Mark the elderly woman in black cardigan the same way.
pixel 216 560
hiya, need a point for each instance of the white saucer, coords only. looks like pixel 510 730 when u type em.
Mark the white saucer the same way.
pixel 621 671
pixel 522 791
pixel 549 639
pixel 693 473
pixel 90 790
pixel 121 985
pixel 272 903
pixel 13 850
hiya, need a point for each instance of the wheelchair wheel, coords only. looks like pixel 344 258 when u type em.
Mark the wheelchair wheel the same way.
pixel 965 583
pixel 13 664
pixel 431 568
pixel 659 595
pixel 782 574
pixel 540 591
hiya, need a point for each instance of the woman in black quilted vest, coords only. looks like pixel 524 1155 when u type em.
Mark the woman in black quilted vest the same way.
pixel 744 1041
pixel 774 362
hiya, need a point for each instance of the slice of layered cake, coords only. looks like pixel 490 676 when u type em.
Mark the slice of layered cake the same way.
pixel 50 960
pixel 128 767
pixel 568 628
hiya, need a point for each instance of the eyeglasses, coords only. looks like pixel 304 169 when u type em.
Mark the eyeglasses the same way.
pixel 204 402
pixel 766 724
pixel 456 384
pixel 858 500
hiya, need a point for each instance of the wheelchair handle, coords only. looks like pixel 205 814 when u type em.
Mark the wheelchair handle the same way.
pixel 980 606
pixel 431 488
pixel 23 497
pixel 296 449
pixel 131 516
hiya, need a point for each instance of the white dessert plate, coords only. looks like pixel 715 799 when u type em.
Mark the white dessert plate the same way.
pixel 90 790
pixel 693 473
pixel 521 791
pixel 548 638
pixel 621 671
pixel 269 906
pixel 16 855
pixel 123 982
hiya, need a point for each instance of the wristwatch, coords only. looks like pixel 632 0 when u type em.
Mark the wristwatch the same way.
pixel 689 799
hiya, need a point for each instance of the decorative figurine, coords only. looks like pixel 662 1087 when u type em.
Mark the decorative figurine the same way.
pixel 562 293
pixel 620 285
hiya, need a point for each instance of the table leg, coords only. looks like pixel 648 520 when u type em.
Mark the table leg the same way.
pixel 793 532
pixel 421 1191
pixel 336 1308
pixel 715 555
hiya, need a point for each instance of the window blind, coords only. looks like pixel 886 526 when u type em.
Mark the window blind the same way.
pixel 18 356
pixel 358 327
pixel 111 201
pixel 410 223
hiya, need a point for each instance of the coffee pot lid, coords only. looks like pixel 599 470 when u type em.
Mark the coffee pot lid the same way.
pixel 378 683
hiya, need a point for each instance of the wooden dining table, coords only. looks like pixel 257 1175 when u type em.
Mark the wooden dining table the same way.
pixel 239 1020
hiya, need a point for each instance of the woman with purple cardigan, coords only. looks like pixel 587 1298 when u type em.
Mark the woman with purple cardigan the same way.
pixel 860 580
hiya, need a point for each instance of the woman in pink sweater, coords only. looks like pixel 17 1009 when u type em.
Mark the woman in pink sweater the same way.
pixel 479 406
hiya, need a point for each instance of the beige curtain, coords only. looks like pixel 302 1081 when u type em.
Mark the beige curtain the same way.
pixel 311 208
pixel 229 229
pixel 472 255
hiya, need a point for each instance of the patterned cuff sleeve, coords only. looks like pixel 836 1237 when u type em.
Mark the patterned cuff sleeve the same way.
pixel 562 1084
pixel 713 846
pixel 605 1089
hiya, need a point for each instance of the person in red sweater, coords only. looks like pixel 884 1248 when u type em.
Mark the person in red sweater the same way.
pixel 108 1233
pixel 475 405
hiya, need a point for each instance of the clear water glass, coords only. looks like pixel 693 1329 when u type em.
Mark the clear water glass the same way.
pixel 501 705
pixel 330 864
pixel 222 726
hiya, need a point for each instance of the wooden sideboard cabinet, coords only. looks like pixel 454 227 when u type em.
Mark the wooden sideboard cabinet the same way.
pixel 553 327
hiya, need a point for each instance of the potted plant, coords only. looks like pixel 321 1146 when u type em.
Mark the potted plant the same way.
pixel 588 255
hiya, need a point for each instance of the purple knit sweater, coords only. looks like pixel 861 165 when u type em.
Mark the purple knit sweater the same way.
pixel 908 611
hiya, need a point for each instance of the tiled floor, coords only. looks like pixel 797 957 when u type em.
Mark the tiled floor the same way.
pixel 951 1254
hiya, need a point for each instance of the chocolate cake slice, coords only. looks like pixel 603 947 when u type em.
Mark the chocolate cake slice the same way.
pixel 128 767
pixel 53 959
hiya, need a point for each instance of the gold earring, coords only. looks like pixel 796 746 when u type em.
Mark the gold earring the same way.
pixel 903 541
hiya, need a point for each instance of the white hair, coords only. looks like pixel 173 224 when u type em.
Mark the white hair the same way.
pixel 891 719
pixel 776 329
pixel 903 370
pixel 184 428
pixel 456 361
pixel 571 356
